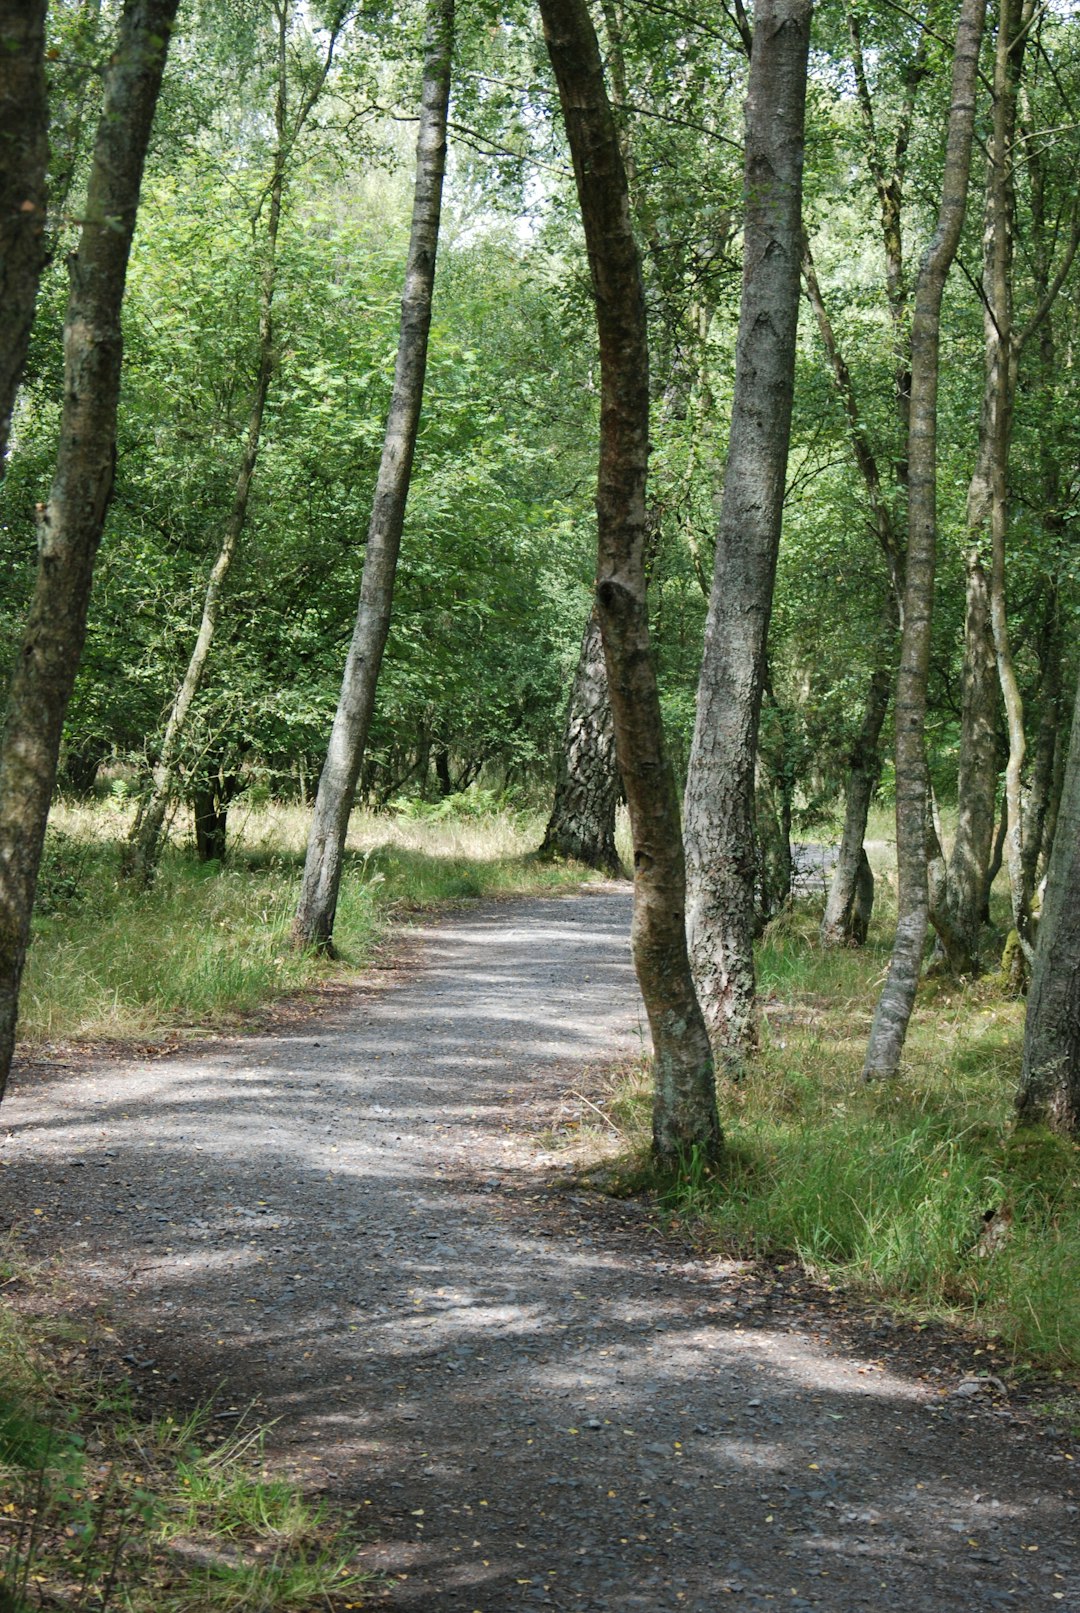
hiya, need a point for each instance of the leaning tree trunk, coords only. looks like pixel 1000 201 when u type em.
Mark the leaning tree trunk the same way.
pixel 24 157
pixel 582 822
pixel 146 834
pixel 719 804
pixel 684 1099
pixel 314 922
pixel 69 525
pixel 1050 1075
pixel 897 998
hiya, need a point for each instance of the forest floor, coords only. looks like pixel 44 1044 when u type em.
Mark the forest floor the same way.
pixel 360 1223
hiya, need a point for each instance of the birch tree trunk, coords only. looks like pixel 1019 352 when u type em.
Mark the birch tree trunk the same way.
pixel 719 805
pixel 147 833
pixel 897 998
pixel 24 157
pixel 1050 1074
pixel 684 1099
pixel 851 892
pixel 69 525
pixel 314 922
pixel 987 661
pixel 958 913
pixel 582 822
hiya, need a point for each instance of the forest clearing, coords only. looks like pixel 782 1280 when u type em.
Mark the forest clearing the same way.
pixel 539 804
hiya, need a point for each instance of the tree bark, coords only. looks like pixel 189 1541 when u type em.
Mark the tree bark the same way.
pixel 851 893
pixel 314 922
pixel 912 795
pixel 987 660
pixel 958 915
pixel 24 157
pixel 719 803
pixel 582 822
pixel 684 1100
pixel 1050 1074
pixel 146 835
pixel 69 525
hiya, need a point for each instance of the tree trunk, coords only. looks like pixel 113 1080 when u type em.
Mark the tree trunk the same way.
pixel 1000 378
pixel 984 648
pixel 24 157
pixel 69 525
pixel 958 916
pixel 719 804
pixel 314 923
pixel 582 822
pixel 912 804
pixel 851 893
pixel 1050 1075
pixel 684 1101
pixel 148 829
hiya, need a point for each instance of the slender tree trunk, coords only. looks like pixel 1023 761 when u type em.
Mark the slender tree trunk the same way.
pixel 69 525
pixel 959 920
pixel 719 804
pixel 24 157
pixel 912 803
pixel 147 832
pixel 1041 790
pixel 684 1103
pixel 851 893
pixel 1001 371
pixel 958 915
pixel 314 923
pixel 1050 1075
pixel 582 822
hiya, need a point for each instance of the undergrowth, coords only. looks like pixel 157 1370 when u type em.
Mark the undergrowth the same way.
pixel 100 1510
pixel 921 1191
pixel 210 943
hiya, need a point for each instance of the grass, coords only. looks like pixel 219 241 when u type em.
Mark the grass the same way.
pixel 884 1188
pixel 210 943
pixel 102 1510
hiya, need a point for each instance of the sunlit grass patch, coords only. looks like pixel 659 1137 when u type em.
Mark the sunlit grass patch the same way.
pixel 211 943
pixel 918 1190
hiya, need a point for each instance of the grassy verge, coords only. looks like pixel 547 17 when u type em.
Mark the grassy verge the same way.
pixel 100 1510
pixel 920 1191
pixel 210 943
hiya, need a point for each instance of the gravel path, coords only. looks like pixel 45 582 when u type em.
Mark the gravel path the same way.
pixel 534 1400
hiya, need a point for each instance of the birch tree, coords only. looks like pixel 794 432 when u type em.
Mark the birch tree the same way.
pixel 146 835
pixel 314 922
pixel 912 786
pixel 24 155
pixel 69 525
pixel 719 804
pixel 684 1100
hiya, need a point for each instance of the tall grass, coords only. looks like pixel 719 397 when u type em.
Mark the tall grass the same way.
pixel 103 1511
pixel 887 1188
pixel 210 943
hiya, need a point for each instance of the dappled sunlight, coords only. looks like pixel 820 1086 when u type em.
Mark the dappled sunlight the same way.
pixel 343 1229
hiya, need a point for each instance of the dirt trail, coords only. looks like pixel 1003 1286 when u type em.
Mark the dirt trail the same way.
pixel 534 1401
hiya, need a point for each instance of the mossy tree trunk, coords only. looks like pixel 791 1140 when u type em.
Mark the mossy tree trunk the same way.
pixel 684 1101
pixel 582 822
pixel 24 157
pixel 70 523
